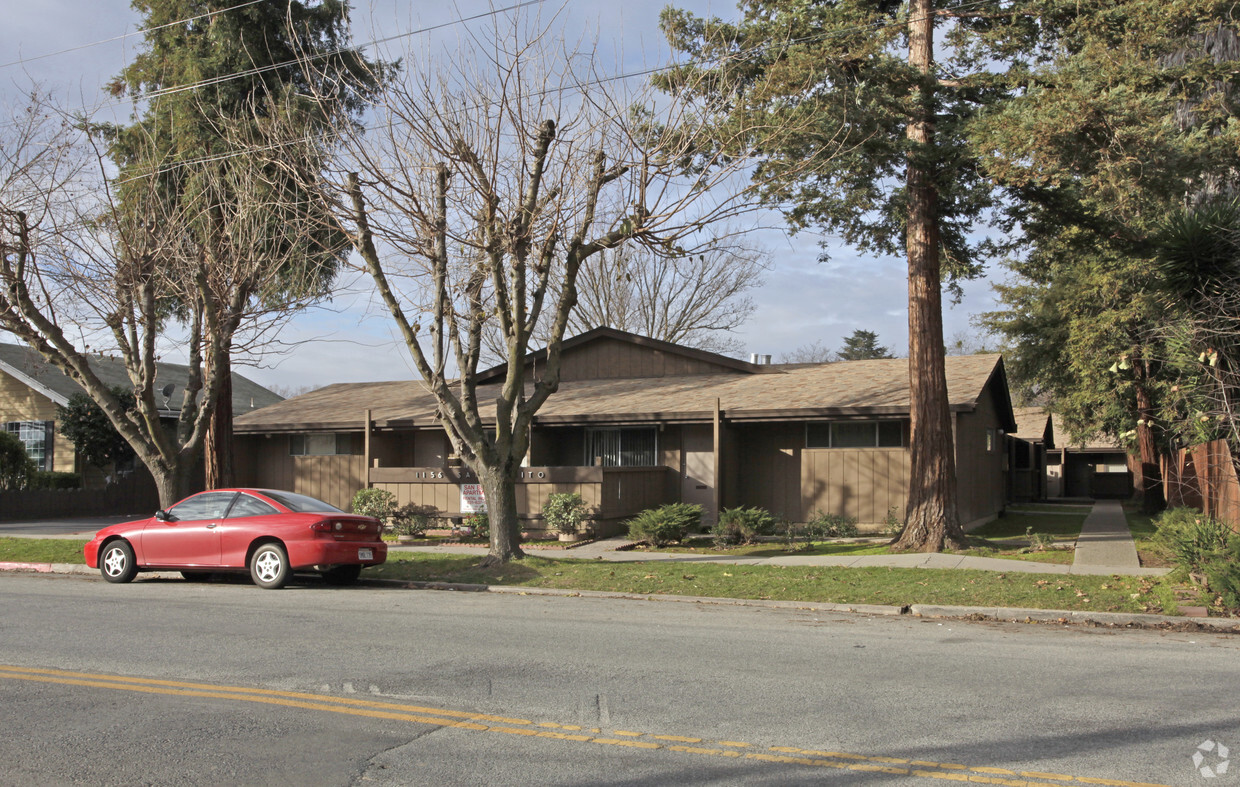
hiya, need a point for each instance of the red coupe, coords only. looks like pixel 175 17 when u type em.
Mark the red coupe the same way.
pixel 270 533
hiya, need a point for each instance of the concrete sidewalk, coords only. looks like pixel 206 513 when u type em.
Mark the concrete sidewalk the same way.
pixel 610 550
pixel 1105 539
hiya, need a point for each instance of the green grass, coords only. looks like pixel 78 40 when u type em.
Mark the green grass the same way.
pixel 1013 525
pixel 1143 530
pixel 999 549
pixel 895 586
pixel 41 550
pixel 1049 508
pixel 777 549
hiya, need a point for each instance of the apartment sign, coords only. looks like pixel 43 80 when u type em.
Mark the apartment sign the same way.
pixel 472 499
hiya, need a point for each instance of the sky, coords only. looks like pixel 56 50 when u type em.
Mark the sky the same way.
pixel 801 302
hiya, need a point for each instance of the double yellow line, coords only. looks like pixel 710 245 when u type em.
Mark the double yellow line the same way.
pixel 481 722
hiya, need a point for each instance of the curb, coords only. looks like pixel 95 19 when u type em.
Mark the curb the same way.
pixel 998 614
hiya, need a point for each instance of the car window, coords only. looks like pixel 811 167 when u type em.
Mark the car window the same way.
pixel 208 505
pixel 301 504
pixel 247 505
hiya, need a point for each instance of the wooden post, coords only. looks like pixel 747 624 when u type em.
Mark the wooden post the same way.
pixel 366 444
pixel 717 492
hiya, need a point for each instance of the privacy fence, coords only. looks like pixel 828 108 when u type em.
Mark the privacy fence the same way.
pixel 1204 477
pixel 135 494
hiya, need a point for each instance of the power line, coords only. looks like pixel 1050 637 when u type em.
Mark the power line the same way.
pixel 143 31
pixel 600 81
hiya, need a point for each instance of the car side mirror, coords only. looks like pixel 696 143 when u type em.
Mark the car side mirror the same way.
pixel 163 516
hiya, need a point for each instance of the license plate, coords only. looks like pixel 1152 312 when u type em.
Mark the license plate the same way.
pixel 365 554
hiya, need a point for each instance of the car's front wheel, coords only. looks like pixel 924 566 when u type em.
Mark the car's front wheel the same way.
pixel 269 566
pixel 117 562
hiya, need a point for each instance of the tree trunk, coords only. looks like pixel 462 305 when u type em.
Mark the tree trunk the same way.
pixel 217 442
pixel 172 484
pixel 1149 482
pixel 932 520
pixel 501 495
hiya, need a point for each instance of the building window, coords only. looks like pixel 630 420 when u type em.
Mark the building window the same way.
pixel 855 434
pixel 38 437
pixel 330 444
pixel 622 447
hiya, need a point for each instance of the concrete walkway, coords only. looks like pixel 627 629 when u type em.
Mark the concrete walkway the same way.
pixel 1108 536
pixel 1105 539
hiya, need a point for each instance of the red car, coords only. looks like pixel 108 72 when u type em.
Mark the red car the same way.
pixel 268 532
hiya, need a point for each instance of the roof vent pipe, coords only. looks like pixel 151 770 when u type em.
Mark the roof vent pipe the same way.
pixel 766 360
pixel 753 357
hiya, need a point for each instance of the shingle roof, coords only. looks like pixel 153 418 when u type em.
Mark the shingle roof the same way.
pixel 1031 424
pixel 874 387
pixel 28 366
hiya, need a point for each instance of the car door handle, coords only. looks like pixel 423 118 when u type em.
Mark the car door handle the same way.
pixel 212 526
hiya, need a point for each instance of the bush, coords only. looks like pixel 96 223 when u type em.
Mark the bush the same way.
pixel 16 469
pixel 667 524
pixel 1191 538
pixel 411 519
pixel 379 503
pixel 1204 548
pixel 742 526
pixel 564 512
pixel 50 479
pixel 892 526
pixel 823 526
pixel 479 525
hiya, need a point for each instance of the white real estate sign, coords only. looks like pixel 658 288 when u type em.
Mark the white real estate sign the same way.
pixel 472 499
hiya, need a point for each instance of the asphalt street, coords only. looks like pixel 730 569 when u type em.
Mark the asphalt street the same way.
pixel 169 682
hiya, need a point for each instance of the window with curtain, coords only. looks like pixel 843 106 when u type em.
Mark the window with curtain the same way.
pixel 636 447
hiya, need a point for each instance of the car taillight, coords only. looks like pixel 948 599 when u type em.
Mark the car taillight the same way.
pixel 337 526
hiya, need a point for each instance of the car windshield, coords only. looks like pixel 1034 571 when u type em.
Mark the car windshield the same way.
pixel 302 504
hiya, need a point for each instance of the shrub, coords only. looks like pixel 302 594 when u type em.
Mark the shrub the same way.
pixel 479 525
pixel 379 503
pixel 823 526
pixel 667 524
pixel 1190 537
pixel 892 526
pixel 1222 574
pixel 50 479
pixel 16 469
pixel 564 511
pixel 742 526
pixel 411 519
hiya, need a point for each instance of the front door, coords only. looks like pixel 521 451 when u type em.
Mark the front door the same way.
pixel 697 469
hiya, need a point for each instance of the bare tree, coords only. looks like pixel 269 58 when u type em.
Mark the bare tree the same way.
pixel 75 268
pixel 694 300
pixel 80 267
pixel 484 186
pixel 814 352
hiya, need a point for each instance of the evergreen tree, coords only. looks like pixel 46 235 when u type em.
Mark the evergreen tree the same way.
pixel 86 425
pixel 861 346
pixel 215 84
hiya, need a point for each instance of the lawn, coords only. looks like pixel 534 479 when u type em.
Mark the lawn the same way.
pixel 895 586
pixel 41 550
pixel 1143 530
pixel 1013 525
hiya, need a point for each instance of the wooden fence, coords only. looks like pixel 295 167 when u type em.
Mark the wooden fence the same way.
pixel 612 493
pixel 1204 477
pixel 135 494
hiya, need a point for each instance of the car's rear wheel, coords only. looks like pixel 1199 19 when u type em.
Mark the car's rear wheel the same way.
pixel 269 566
pixel 342 575
pixel 116 563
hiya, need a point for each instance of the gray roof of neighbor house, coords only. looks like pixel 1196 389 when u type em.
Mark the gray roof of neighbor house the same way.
pixel 30 368
pixel 1096 443
pixel 853 388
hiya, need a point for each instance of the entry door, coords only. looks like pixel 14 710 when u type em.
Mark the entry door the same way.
pixel 697 469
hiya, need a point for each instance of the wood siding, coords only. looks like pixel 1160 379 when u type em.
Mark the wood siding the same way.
pixel 981 486
pixel 611 359
pixel 332 479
